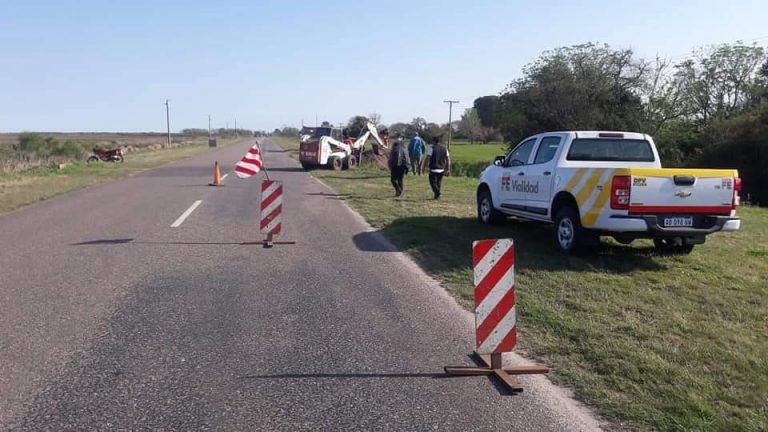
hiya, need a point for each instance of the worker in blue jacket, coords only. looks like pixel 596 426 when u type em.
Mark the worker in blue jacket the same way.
pixel 416 150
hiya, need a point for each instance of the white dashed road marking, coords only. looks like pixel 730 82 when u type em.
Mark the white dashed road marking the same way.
pixel 186 214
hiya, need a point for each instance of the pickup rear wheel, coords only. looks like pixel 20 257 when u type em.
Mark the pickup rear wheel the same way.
pixel 569 235
pixel 672 246
pixel 485 211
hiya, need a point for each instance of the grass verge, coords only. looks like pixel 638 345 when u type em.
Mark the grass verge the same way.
pixel 652 342
pixel 24 188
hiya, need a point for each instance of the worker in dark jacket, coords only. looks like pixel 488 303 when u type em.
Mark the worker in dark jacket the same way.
pixel 439 164
pixel 398 164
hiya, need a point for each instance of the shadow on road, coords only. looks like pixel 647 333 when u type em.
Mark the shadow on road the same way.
pixel 348 375
pixel 286 169
pixel 372 241
pixel 132 241
pixel 103 241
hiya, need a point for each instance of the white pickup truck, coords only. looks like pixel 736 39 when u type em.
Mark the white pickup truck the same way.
pixel 592 184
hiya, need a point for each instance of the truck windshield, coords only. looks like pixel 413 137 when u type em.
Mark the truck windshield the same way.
pixel 601 149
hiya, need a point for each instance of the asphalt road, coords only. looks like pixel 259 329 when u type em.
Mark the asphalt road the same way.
pixel 110 319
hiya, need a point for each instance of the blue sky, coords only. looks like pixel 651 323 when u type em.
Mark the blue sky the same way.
pixel 109 65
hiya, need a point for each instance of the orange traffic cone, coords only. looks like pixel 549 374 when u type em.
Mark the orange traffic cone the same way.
pixel 216 176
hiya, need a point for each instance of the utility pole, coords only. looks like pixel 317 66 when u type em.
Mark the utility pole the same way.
pixel 450 119
pixel 209 126
pixel 168 120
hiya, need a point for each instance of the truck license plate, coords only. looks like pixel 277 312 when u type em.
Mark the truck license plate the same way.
pixel 680 221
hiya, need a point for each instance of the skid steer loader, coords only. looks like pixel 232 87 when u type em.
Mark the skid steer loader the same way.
pixel 330 147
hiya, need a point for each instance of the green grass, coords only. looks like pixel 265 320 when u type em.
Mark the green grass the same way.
pixel 462 151
pixel 18 190
pixel 652 342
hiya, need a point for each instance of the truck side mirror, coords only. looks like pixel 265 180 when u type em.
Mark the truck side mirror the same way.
pixel 499 160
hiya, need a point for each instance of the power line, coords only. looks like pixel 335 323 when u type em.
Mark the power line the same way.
pixel 168 120
pixel 450 119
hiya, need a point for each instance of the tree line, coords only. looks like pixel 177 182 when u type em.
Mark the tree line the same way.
pixel 707 110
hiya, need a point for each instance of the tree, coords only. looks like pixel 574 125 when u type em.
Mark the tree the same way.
pixel 374 118
pixel 432 130
pixel 31 141
pixel 470 125
pixel 488 134
pixel 289 131
pixel 325 123
pixel 719 81
pixel 418 124
pixel 194 131
pixel 580 87
pixel 663 95
pixel 740 142
pixel 356 125
pixel 398 129
pixel 486 107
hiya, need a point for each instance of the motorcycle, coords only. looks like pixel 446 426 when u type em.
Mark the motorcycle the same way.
pixel 106 155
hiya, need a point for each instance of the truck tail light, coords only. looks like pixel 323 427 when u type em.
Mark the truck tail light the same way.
pixel 620 189
pixel 736 190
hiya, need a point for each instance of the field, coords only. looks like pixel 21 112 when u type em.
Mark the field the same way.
pixel 105 138
pixel 19 188
pixel 470 159
pixel 652 342
pixel 463 151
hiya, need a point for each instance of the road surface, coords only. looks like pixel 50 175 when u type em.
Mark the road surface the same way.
pixel 112 319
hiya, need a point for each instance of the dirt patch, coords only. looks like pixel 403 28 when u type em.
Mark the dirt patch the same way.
pixel 378 160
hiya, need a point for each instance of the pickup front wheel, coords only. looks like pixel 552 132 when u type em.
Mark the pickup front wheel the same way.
pixel 485 211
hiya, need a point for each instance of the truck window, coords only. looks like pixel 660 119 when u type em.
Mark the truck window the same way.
pixel 521 154
pixel 601 149
pixel 547 149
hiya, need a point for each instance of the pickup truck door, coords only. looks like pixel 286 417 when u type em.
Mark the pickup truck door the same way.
pixel 512 187
pixel 540 175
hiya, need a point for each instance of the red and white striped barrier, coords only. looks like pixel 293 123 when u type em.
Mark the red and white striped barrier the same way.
pixel 495 319
pixel 271 207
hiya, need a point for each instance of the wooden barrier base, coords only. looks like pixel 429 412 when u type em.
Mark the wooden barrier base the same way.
pixel 492 366
pixel 268 243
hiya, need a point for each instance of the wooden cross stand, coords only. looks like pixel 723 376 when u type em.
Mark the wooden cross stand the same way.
pixel 495 314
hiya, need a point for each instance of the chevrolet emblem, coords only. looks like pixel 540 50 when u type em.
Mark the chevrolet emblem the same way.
pixel 683 194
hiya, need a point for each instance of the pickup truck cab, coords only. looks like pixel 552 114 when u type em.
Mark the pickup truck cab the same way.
pixel 592 184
